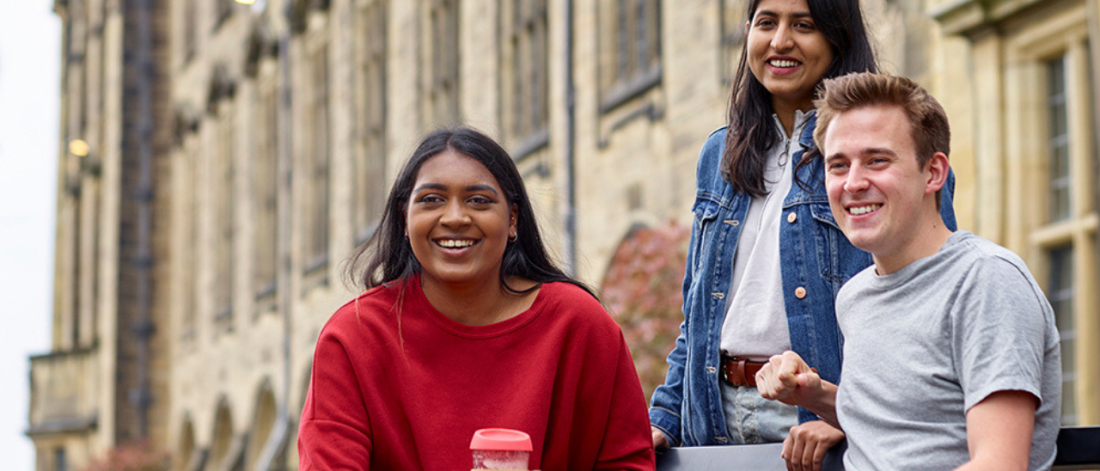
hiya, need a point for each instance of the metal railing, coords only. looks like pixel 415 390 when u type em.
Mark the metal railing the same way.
pixel 1078 449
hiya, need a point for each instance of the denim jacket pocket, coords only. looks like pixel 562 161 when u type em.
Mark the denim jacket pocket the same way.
pixel 839 260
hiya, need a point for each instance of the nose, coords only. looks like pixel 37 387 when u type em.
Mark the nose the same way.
pixel 782 40
pixel 454 214
pixel 856 180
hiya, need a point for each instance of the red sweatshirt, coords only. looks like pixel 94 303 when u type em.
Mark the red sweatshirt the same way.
pixel 560 371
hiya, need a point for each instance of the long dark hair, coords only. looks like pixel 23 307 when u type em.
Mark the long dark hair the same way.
pixel 387 255
pixel 750 134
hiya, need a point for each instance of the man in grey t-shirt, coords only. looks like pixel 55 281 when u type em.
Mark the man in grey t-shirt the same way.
pixel 951 356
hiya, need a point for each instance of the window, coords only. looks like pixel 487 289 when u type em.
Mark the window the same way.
pixel 442 62
pixel 732 26
pixel 79 270
pixel 190 29
pixel 1058 142
pixel 1065 238
pixel 60 461
pixel 526 74
pixel 317 167
pixel 265 179
pixel 1060 294
pixel 224 205
pixel 369 172
pixel 635 46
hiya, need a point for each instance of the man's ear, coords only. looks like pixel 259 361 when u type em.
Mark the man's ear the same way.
pixel 938 168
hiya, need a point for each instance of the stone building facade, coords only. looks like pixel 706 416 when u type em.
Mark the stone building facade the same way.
pixel 238 154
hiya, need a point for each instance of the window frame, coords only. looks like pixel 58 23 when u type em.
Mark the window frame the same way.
pixel 1029 51
pixel 624 73
pixel 525 75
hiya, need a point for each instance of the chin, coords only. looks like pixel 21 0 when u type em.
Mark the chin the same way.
pixel 861 241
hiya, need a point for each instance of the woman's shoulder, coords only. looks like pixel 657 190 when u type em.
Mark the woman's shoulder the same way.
pixel 715 144
pixel 709 181
pixel 564 291
pixel 371 304
pixel 571 303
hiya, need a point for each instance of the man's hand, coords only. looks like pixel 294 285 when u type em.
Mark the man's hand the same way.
pixel 805 447
pixel 659 438
pixel 788 379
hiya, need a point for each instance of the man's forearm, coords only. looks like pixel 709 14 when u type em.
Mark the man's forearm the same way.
pixel 823 403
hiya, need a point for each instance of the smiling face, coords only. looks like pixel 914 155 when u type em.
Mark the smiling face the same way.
pixel 459 221
pixel 787 53
pixel 882 199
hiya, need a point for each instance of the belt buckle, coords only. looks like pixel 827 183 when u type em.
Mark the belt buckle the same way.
pixel 725 372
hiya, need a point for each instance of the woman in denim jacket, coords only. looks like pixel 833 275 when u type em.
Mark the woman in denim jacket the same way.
pixel 766 257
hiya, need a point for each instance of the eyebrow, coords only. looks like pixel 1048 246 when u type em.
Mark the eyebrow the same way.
pixel 877 151
pixel 481 188
pixel 867 151
pixel 442 187
pixel 801 14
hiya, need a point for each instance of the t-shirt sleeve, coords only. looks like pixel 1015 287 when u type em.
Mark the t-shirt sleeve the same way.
pixel 999 331
pixel 334 431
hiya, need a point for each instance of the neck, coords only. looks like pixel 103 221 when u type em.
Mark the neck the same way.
pixel 924 242
pixel 785 111
pixel 479 302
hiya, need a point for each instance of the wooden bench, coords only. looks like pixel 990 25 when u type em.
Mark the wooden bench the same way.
pixel 1078 449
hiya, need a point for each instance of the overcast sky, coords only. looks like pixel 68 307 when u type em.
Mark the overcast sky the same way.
pixel 30 51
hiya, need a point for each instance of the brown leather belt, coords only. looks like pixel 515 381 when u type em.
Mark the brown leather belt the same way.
pixel 739 371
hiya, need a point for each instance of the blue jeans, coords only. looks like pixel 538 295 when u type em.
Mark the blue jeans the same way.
pixel 752 419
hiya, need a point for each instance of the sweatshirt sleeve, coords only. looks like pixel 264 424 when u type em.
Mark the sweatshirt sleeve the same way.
pixel 628 443
pixel 335 429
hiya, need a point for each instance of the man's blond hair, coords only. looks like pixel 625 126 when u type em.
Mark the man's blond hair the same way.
pixel 927 120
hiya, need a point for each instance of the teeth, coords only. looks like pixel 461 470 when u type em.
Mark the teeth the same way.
pixel 783 63
pixel 863 209
pixel 455 244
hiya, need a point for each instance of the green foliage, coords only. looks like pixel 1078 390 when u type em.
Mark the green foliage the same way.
pixel 642 290
pixel 135 456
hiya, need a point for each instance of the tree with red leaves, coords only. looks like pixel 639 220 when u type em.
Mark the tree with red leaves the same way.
pixel 642 290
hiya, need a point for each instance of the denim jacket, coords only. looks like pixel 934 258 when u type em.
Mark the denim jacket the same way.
pixel 816 259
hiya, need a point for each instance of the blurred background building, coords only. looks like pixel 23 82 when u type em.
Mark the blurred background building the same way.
pixel 222 160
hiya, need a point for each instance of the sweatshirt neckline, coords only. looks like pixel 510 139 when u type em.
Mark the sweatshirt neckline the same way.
pixel 496 329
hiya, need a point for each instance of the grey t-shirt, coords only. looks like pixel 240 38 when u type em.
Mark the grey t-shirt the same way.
pixel 925 344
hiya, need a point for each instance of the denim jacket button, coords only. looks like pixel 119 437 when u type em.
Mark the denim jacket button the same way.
pixel 792 217
pixel 732 222
pixel 719 295
pixel 799 292
pixel 711 369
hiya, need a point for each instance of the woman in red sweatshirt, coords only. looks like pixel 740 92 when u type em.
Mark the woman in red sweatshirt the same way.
pixel 467 324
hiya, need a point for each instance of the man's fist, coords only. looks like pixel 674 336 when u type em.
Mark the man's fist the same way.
pixel 788 379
